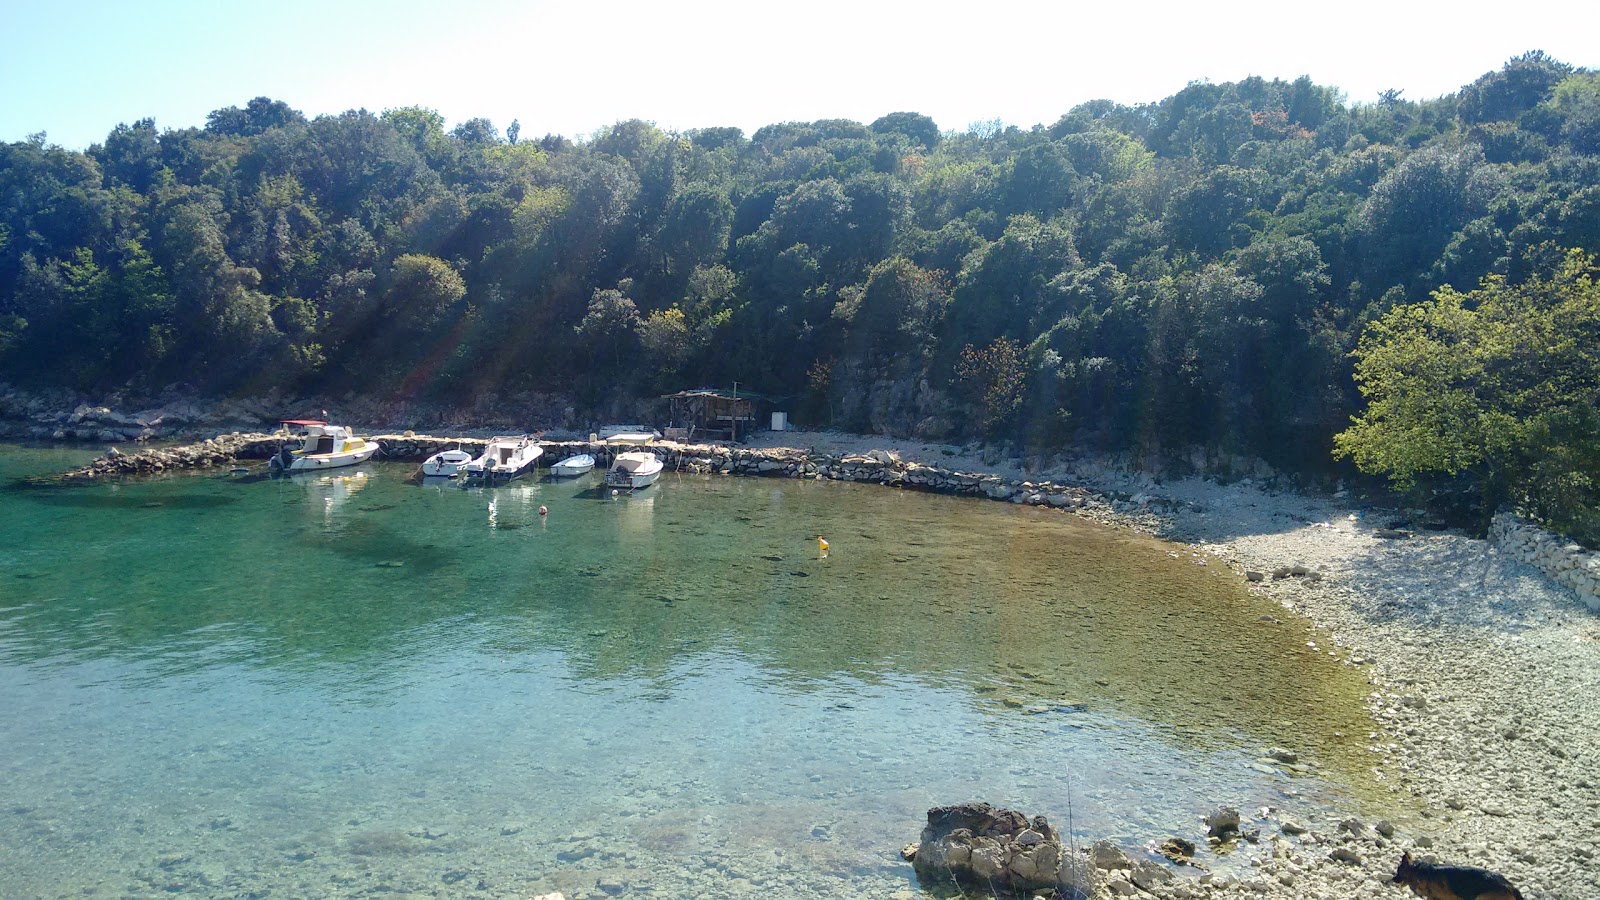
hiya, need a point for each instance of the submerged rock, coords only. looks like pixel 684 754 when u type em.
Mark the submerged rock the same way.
pixel 1223 823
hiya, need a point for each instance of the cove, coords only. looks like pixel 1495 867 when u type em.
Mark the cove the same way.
pixel 342 684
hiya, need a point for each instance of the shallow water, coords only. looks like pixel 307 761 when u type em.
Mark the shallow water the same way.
pixel 329 685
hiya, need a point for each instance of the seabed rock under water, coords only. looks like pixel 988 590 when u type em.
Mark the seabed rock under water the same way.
pixel 996 851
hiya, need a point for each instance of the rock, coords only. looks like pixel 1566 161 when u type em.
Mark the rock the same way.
pixel 1385 828
pixel 1106 855
pixel 1346 855
pixel 1282 755
pixel 1148 875
pixel 1178 850
pixel 1291 827
pixel 975 844
pixel 1121 887
pixel 1222 823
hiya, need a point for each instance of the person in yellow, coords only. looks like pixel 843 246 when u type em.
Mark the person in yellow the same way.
pixel 822 547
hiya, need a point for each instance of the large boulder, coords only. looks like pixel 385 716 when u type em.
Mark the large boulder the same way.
pixel 996 851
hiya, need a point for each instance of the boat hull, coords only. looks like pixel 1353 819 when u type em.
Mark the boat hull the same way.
pixel 633 471
pixel 312 462
pixel 447 464
pixel 572 466
pixel 503 459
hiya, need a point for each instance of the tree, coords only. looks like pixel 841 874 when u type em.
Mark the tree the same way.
pixel 994 378
pixel 1041 181
pixel 1501 384
pixel 1415 208
pixel 132 154
pixel 257 116
pixel 1008 288
pixel 1212 215
pixel 421 291
pixel 608 327
pixel 921 129
pixel 666 340
pixel 1522 84
pixel 1577 101
pixel 696 227
pixel 477 132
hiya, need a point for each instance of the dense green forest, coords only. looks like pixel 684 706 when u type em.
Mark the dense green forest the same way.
pixel 1197 271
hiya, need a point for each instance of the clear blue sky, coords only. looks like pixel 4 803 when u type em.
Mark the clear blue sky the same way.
pixel 76 69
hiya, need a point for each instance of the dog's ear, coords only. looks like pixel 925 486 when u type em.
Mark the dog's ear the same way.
pixel 1404 869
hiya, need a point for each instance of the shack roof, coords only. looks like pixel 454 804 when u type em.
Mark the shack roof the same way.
pixel 714 393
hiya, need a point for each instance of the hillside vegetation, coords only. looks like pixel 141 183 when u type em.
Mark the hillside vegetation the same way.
pixel 1193 272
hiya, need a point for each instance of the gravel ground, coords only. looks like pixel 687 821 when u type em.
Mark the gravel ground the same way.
pixel 1485 677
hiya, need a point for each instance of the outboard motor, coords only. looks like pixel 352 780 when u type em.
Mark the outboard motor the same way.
pixel 283 459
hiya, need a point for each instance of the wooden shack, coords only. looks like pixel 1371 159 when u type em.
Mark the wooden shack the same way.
pixel 712 414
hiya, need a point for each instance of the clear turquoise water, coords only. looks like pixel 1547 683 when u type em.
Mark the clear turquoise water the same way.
pixel 328 686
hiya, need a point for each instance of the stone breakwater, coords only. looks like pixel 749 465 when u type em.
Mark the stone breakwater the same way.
pixel 873 467
pixel 1560 560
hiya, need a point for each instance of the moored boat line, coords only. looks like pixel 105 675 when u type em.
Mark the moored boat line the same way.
pixel 874 467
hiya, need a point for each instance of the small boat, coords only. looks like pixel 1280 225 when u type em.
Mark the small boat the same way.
pixel 323 446
pixel 503 459
pixel 446 463
pixel 628 434
pixel 572 466
pixel 633 471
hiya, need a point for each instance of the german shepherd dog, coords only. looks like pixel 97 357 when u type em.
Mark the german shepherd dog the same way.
pixel 1434 882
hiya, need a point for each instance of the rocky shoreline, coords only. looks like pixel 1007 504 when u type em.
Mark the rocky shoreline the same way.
pixel 1483 669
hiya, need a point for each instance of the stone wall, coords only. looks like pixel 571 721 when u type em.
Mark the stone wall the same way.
pixel 1561 560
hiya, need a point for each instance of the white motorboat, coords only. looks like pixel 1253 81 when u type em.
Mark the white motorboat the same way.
pixel 572 466
pixel 323 446
pixel 628 434
pixel 503 459
pixel 446 463
pixel 633 471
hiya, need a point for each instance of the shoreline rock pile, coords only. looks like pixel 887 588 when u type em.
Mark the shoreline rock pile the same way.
pixel 214 452
pixel 996 851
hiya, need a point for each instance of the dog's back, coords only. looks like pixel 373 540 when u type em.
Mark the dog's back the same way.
pixel 1435 882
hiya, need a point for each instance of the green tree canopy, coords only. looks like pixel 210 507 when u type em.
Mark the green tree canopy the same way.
pixel 1500 383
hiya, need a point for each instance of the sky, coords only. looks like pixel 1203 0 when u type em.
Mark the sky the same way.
pixel 74 70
